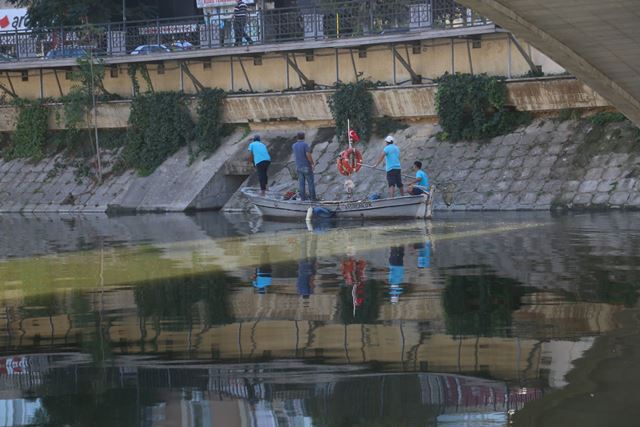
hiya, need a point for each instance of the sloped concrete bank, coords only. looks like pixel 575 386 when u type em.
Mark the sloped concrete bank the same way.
pixel 57 184
pixel 547 165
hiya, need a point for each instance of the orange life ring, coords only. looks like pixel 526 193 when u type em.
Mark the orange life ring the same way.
pixel 349 162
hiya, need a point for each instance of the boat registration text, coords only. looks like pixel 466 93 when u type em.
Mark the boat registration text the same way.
pixel 355 205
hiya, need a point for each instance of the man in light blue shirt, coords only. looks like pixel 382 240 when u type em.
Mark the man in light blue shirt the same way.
pixel 391 156
pixel 421 182
pixel 260 158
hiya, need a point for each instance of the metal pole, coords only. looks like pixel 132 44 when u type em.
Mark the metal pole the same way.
pixel 157 30
pixel 124 10
pixel 95 122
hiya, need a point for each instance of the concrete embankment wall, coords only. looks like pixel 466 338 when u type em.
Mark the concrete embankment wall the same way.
pixel 54 184
pixel 311 109
pixel 533 168
pixel 547 165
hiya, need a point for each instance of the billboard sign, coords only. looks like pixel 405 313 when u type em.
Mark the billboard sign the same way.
pixel 14 19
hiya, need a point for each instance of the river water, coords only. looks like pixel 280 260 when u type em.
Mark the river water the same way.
pixel 478 319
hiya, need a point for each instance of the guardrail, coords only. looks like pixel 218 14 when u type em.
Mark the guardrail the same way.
pixel 331 20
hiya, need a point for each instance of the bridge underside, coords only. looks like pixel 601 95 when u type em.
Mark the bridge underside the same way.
pixel 597 41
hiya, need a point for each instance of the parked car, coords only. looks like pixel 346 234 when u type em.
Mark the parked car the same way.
pixel 66 52
pixel 6 58
pixel 148 49
pixel 181 45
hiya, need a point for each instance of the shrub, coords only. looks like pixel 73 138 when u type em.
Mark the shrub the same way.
pixel 29 139
pixel 210 129
pixel 474 107
pixel 354 102
pixel 160 125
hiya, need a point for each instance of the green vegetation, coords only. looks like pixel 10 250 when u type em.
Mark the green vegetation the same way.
pixel 210 129
pixel 480 305
pixel 606 117
pixel 55 13
pixel 474 107
pixel 28 141
pixel 387 125
pixel 569 114
pixel 160 125
pixel 133 71
pixel 354 102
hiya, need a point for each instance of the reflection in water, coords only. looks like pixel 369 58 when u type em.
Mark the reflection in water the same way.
pixel 480 304
pixel 338 326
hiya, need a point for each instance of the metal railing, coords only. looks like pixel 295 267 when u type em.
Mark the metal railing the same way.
pixel 330 20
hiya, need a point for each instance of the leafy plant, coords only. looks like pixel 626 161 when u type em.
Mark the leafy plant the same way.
pixel 133 71
pixel 474 107
pixel 210 128
pixel 160 124
pixel 29 139
pixel 354 102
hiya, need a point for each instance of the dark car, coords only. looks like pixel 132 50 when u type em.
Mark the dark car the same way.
pixel 66 52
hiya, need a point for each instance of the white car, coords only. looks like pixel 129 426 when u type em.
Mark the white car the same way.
pixel 148 49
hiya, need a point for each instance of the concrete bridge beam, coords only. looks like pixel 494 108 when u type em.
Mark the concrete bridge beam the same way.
pixel 595 40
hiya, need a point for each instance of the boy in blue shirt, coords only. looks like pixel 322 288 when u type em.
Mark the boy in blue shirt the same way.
pixel 259 157
pixel 422 180
pixel 391 156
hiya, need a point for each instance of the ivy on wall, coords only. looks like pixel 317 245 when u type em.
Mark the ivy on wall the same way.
pixel 133 71
pixel 210 128
pixel 159 125
pixel 474 107
pixel 29 138
pixel 354 102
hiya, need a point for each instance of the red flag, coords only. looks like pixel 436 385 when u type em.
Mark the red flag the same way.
pixel 354 136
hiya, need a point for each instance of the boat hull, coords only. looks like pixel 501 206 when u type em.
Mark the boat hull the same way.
pixel 399 207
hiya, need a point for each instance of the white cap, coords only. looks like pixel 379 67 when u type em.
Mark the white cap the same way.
pixel 389 138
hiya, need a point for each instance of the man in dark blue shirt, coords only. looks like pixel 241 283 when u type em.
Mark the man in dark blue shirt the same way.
pixel 304 165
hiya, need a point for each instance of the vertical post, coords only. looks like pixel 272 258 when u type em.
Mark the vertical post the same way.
pixel 62 38
pixel 286 64
pixel 469 56
pixel 509 57
pixel 393 58
pixel 41 84
pixel 95 121
pixel 232 78
pixel 157 30
pixel 109 40
pixel 17 44
pixel 337 67
pixel 181 77
pixel 208 28
pixel 371 19
pixel 453 57
pixel 262 23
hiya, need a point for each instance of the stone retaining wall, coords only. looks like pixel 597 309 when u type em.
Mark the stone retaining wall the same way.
pixel 547 165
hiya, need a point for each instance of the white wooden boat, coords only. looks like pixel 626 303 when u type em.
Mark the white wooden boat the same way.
pixel 275 206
